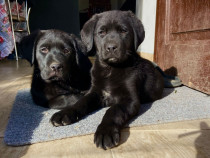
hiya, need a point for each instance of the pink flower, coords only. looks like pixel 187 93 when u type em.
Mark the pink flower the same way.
pixel 5 20
pixel 9 30
pixel 2 10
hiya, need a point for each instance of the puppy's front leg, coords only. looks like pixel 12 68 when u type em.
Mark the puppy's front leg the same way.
pixel 84 106
pixel 108 132
pixel 63 101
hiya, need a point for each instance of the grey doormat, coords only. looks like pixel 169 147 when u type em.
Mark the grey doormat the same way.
pixel 29 123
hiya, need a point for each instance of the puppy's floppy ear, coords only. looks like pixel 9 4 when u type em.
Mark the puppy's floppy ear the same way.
pixel 138 29
pixel 87 32
pixel 82 60
pixel 27 46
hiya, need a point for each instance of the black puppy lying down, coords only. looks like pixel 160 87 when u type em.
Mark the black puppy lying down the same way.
pixel 61 70
pixel 120 78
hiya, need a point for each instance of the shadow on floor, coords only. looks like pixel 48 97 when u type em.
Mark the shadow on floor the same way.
pixel 125 133
pixel 24 119
pixel 202 143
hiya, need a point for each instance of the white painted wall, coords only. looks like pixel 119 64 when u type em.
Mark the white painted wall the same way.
pixel 146 12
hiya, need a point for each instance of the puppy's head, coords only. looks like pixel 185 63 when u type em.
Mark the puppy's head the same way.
pixel 55 54
pixel 115 35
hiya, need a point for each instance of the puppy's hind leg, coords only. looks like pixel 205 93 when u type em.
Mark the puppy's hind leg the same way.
pixel 153 88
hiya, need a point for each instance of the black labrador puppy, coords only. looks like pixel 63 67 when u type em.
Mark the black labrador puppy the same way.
pixel 121 79
pixel 61 70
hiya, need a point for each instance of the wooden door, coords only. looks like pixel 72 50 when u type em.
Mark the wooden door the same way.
pixel 182 40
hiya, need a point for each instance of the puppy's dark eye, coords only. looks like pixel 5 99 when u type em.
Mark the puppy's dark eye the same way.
pixel 123 31
pixel 44 50
pixel 102 32
pixel 65 50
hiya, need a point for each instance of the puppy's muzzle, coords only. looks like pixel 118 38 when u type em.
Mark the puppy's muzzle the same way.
pixel 56 67
pixel 111 48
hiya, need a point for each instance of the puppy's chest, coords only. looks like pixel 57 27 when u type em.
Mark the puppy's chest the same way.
pixel 54 90
pixel 113 93
pixel 111 83
pixel 110 92
pixel 107 98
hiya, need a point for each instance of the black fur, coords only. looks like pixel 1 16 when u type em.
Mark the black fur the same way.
pixel 121 79
pixel 61 70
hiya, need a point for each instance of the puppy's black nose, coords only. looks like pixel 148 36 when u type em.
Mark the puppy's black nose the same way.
pixel 111 47
pixel 56 67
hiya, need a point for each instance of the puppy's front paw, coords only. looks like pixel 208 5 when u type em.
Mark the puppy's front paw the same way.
pixel 63 118
pixel 107 137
